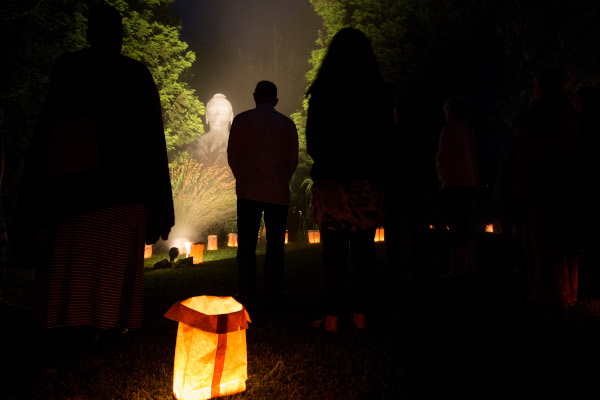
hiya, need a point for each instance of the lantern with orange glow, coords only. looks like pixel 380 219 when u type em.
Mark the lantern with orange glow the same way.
pixel 212 242
pixel 148 251
pixel 314 236
pixel 232 240
pixel 489 228
pixel 197 252
pixel 379 236
pixel 210 350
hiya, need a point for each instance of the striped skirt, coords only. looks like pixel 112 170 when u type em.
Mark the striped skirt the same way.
pixel 95 276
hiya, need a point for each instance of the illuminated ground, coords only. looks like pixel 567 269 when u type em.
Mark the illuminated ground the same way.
pixel 437 339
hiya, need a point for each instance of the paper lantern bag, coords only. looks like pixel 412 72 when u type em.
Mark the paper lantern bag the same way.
pixel 210 352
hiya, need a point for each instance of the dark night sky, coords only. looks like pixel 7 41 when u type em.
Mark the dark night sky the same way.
pixel 238 42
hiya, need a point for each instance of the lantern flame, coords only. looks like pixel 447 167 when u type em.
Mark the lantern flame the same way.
pixel 148 251
pixel 212 242
pixel 197 252
pixel 314 236
pixel 232 240
pixel 379 235
pixel 489 228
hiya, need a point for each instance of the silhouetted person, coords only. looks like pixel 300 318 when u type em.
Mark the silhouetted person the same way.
pixel 263 155
pixel 211 148
pixel 587 105
pixel 456 162
pixel 97 184
pixel 348 150
pixel 546 190
pixel 408 174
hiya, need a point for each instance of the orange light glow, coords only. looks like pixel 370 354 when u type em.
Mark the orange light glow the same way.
pixel 314 236
pixel 232 240
pixel 148 251
pixel 180 243
pixel 431 227
pixel 212 243
pixel 210 359
pixel 379 236
pixel 197 252
pixel 286 237
pixel 489 228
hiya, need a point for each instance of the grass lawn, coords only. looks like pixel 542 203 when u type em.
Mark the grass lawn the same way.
pixel 474 338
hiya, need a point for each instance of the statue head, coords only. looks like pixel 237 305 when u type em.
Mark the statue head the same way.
pixel 219 113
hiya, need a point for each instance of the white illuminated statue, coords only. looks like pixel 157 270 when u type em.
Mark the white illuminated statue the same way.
pixel 211 147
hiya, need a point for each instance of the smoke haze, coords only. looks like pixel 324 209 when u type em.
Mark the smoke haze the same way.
pixel 239 42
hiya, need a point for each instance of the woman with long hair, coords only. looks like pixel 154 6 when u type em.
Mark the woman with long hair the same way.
pixel 349 121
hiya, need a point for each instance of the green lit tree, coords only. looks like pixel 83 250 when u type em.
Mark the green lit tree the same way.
pixel 33 33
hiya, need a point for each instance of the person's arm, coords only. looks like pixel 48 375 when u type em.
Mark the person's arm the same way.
pixel 162 214
pixel 234 147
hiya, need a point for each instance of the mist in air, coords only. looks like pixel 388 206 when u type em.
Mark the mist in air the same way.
pixel 239 42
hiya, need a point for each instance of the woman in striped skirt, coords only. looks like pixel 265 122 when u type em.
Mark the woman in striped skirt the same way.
pixel 97 185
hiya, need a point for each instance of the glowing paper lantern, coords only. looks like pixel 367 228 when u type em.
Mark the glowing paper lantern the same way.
pixel 314 236
pixel 197 252
pixel 212 242
pixel 232 240
pixel 148 251
pixel 210 351
pixel 379 236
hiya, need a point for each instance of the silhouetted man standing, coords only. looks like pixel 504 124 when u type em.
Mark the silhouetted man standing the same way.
pixel 263 155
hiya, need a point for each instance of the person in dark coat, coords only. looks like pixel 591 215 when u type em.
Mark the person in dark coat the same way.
pixel 97 185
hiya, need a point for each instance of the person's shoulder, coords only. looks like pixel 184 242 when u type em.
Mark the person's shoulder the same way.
pixel 284 117
pixel 244 114
pixel 285 122
pixel 133 64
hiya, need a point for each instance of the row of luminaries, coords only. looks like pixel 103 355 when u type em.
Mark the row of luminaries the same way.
pixel 191 249
pixel 314 236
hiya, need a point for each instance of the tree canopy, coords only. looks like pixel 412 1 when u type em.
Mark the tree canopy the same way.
pixel 488 50
pixel 33 33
